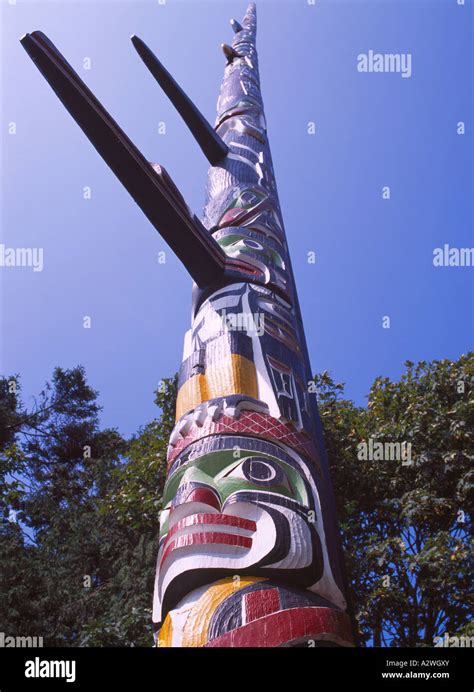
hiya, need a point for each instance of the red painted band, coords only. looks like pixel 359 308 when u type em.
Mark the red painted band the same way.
pixel 211 538
pixel 290 625
pixel 258 604
pixel 216 519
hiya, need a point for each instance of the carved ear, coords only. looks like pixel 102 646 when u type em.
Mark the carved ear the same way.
pixel 236 26
pixel 211 144
pixel 230 53
pixel 149 185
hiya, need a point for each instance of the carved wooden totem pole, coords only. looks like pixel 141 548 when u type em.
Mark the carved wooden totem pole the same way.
pixel 249 550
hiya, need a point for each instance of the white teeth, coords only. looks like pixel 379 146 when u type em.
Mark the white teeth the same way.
pixel 185 426
pixel 232 412
pixel 200 415
pixel 214 411
pixel 174 437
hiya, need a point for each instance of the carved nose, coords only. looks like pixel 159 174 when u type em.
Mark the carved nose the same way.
pixel 204 495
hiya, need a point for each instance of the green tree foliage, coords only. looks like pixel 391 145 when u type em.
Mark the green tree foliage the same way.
pixel 133 503
pixel 406 527
pixel 77 556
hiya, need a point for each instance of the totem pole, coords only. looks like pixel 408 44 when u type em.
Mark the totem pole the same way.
pixel 249 551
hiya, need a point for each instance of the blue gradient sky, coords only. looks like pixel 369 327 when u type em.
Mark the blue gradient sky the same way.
pixel 374 257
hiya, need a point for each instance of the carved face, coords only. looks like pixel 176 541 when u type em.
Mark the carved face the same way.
pixel 236 511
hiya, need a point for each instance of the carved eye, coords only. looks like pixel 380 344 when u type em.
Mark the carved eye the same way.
pixel 245 243
pixel 252 244
pixel 260 471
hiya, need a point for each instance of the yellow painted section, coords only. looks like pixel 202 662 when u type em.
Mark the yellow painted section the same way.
pixel 197 623
pixel 192 393
pixel 234 375
pixel 165 636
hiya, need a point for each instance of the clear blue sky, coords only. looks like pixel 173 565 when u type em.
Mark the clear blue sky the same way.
pixel 373 256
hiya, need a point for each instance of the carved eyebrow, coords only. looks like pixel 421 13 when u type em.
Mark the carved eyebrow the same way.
pixel 226 471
